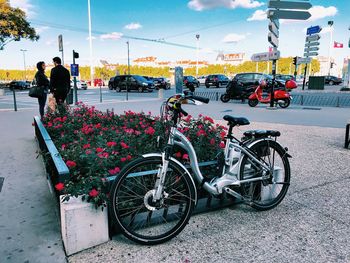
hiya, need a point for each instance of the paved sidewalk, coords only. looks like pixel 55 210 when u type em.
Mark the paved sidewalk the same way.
pixel 310 225
pixel 29 225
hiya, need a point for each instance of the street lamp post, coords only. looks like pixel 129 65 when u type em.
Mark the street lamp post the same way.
pixel 330 24
pixel 90 44
pixel 128 80
pixel 197 51
pixel 24 63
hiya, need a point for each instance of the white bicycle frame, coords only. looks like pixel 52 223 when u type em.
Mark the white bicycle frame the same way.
pixel 219 184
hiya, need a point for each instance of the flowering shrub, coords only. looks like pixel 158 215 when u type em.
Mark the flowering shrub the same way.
pixel 96 145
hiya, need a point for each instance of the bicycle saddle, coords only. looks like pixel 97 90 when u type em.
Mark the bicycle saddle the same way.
pixel 233 121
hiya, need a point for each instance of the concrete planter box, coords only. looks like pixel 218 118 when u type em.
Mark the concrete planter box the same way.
pixel 82 225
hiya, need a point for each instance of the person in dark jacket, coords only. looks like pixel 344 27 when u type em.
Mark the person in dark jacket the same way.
pixel 59 81
pixel 43 82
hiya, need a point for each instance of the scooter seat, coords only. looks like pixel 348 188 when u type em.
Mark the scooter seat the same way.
pixel 233 121
pixel 261 133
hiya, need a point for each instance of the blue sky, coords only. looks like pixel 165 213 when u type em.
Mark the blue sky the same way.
pixel 231 26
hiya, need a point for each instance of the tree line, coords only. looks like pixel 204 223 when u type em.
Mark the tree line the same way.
pixel 284 67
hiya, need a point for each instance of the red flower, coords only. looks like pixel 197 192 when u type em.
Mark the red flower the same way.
pixel 59 186
pixel 99 150
pixel 93 193
pixel 128 157
pixel 122 159
pixel 212 141
pixel 88 151
pixel 124 145
pixel 111 144
pixel 222 134
pixel 206 118
pixel 185 156
pixel 86 146
pixel 201 132
pixel 63 146
pixel 178 155
pixel 114 171
pixel 71 164
pixel 222 145
pixel 150 131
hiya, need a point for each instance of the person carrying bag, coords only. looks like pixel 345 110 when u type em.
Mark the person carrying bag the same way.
pixel 41 87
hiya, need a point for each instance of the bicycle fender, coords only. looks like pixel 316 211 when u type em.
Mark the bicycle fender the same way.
pixel 178 163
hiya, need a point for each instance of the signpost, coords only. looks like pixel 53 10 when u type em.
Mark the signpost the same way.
pixel 311 46
pixel 276 11
pixel 266 56
pixel 303 60
pixel 75 74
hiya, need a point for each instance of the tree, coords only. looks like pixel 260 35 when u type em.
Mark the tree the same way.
pixel 13 25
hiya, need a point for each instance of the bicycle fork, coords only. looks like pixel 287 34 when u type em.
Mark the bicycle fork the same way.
pixel 159 185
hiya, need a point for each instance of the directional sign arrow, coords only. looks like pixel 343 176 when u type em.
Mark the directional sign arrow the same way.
pixel 313 30
pixel 310 54
pixel 303 61
pixel 311 49
pixel 272 39
pixel 286 14
pixel 273 29
pixel 312 44
pixel 266 56
pixel 289 5
pixel 312 38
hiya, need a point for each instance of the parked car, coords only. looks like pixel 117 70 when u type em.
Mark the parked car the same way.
pixel 284 78
pixel 252 79
pixel 149 78
pixel 161 83
pixel 201 80
pixel 110 83
pixel 80 84
pixel 216 80
pixel 133 82
pixel 20 84
pixel 190 80
pixel 332 80
pixel 300 79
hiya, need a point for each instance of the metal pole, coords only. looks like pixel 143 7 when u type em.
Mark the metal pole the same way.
pixel 24 63
pixel 14 99
pixel 272 99
pixel 330 46
pixel 75 84
pixel 127 82
pixel 197 50
pixel 305 69
pixel 62 58
pixel 100 93
pixel 90 44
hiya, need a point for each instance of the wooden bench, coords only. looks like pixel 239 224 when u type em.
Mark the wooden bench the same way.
pixel 347 139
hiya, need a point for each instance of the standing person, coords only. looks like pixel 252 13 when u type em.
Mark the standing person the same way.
pixel 59 81
pixel 43 82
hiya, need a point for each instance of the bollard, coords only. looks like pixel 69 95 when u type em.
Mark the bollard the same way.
pixel 160 93
pixel 14 99
pixel 100 93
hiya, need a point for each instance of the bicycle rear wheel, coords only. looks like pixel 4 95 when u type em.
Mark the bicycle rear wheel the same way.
pixel 141 219
pixel 264 195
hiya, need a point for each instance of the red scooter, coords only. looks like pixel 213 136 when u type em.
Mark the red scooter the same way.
pixel 281 96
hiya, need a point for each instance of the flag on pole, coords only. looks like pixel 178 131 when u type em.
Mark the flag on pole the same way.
pixel 337 44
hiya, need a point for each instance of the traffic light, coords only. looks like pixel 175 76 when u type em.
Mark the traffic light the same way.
pixel 75 54
pixel 295 60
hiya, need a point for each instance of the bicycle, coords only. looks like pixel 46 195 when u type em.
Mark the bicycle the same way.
pixel 153 197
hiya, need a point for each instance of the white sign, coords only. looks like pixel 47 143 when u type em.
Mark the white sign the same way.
pixel 289 5
pixel 312 38
pixel 266 56
pixel 303 61
pixel 310 54
pixel 272 39
pixel 308 49
pixel 60 43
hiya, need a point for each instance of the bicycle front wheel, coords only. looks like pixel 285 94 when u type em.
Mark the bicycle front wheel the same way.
pixel 266 194
pixel 138 216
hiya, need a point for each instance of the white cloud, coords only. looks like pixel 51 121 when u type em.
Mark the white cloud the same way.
pixel 233 38
pixel 41 29
pixel 25 5
pixel 200 5
pixel 113 35
pixel 258 15
pixel 133 26
pixel 50 42
pixel 319 12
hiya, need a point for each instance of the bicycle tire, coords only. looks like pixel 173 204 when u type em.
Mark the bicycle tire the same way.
pixel 276 187
pixel 181 196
